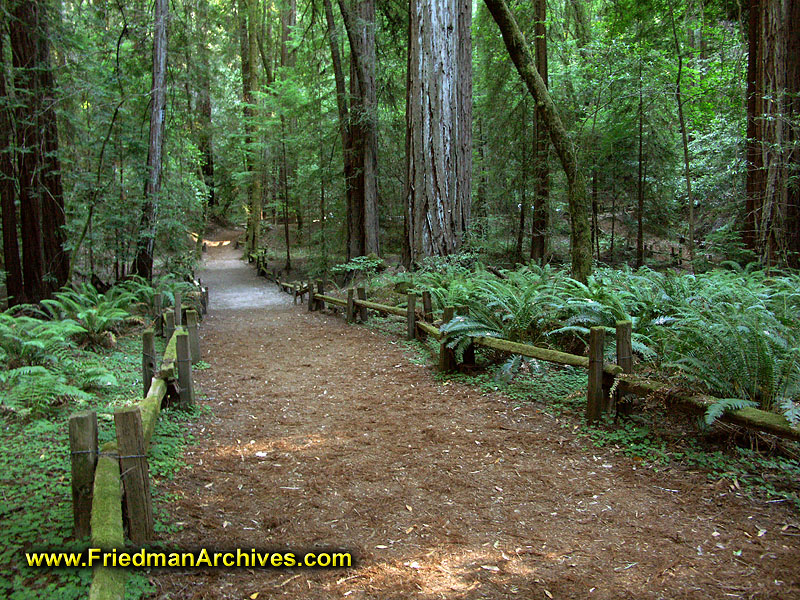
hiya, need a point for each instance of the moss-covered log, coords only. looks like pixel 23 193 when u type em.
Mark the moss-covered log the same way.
pixel 169 361
pixel 752 418
pixel 107 532
pixel 392 310
pixel 429 329
pixel 553 356
pixel 332 300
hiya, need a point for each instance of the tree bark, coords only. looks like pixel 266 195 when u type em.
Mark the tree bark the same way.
pixel 540 222
pixel 250 83
pixel 640 181
pixel 143 262
pixel 204 107
pixel 363 223
pixel 438 127
pixel 26 17
pixel 11 261
pixel 344 122
pixel 684 137
pixel 581 251
pixel 772 227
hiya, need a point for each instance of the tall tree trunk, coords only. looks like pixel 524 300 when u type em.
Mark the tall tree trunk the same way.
pixel 581 250
pixel 42 217
pixel 251 84
pixel 640 182
pixel 11 261
pixel 540 223
pixel 773 194
pixel 523 187
pixel 23 51
pixel 288 21
pixel 344 123
pixel 363 223
pixel 143 262
pixel 684 136
pixel 438 127
pixel 204 106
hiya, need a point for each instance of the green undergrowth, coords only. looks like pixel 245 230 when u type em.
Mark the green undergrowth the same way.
pixel 36 502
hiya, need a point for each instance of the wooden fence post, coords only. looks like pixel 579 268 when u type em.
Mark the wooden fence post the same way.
pixel 185 388
pixel 351 307
pixel 447 358
pixel 158 301
pixel 320 291
pixel 194 335
pixel 624 358
pixel 311 301
pixel 411 316
pixel 427 306
pixel 169 324
pixel 469 351
pixel 205 300
pixel 594 400
pixel 83 458
pixel 178 310
pixel 135 473
pixel 361 292
pixel 148 359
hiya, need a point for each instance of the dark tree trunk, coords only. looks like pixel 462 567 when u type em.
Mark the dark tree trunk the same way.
pixel 540 222
pixel 438 127
pixel 363 213
pixel 772 227
pixel 581 251
pixel 11 261
pixel 204 107
pixel 523 187
pixel 250 84
pixel 344 123
pixel 23 49
pixel 640 182
pixel 143 262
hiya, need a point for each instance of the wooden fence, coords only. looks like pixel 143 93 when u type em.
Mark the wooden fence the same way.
pixel 116 475
pixel 603 377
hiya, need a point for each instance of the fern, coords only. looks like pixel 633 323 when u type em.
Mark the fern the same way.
pixel 459 331
pixel 716 410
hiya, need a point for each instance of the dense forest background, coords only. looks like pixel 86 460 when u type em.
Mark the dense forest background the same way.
pixel 396 129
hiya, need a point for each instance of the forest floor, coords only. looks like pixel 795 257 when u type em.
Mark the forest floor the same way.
pixel 326 435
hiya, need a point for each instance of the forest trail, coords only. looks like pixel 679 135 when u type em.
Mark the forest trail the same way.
pixel 325 435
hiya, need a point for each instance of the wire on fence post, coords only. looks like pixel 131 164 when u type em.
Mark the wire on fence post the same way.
pixel 135 474
pixel 595 402
pixel 83 459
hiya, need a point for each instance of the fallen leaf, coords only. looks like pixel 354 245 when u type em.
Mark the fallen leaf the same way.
pixel 490 568
pixel 254 596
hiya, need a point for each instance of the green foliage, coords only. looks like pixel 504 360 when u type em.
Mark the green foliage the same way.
pixel 716 410
pixel 367 266
pixel 35 474
pixel 98 314
pixel 733 333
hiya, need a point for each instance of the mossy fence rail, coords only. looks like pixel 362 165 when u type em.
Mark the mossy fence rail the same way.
pixel 111 484
pixel 606 381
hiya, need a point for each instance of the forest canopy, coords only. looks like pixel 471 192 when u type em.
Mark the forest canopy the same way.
pixel 660 133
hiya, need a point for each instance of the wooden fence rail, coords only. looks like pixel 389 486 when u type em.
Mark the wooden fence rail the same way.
pixel 117 474
pixel 601 375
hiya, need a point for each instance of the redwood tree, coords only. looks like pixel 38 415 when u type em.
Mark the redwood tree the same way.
pixel 772 226
pixel 42 218
pixel 438 127
pixel 143 263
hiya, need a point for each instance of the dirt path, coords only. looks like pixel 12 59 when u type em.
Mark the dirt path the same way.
pixel 325 435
